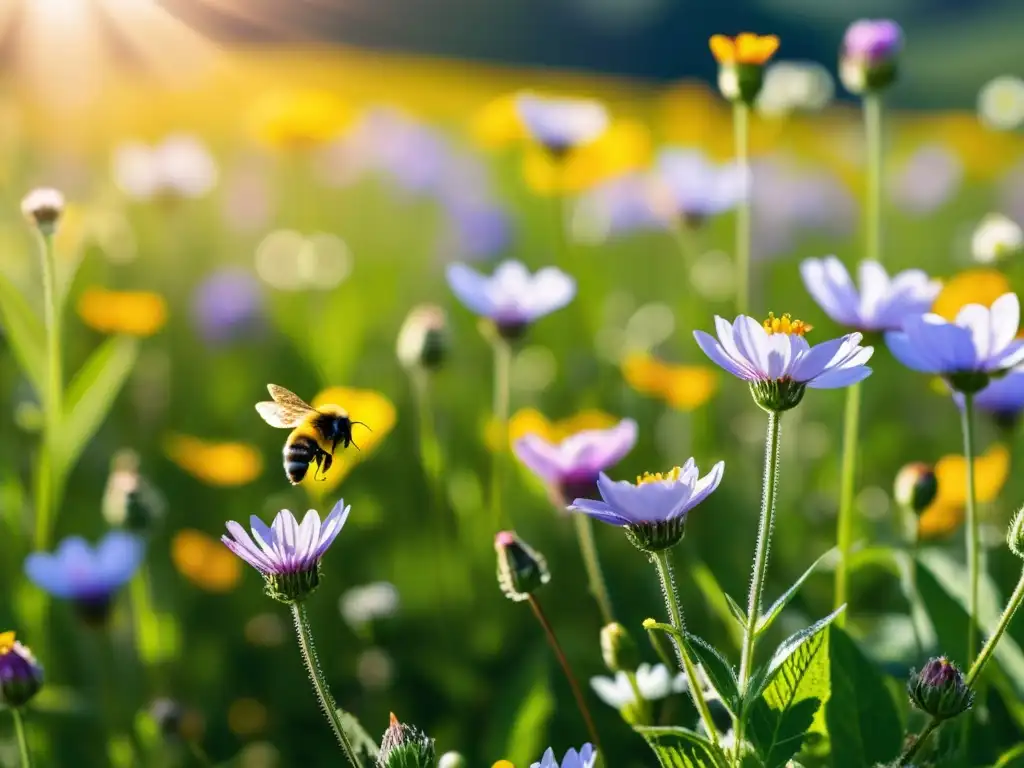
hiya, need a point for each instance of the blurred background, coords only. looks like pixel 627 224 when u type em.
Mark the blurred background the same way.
pixel 261 191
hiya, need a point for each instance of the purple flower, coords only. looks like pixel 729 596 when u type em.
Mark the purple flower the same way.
pixel 287 553
pixel 512 297
pixel 411 153
pixel 87 576
pixel 697 188
pixel 619 206
pixel 880 304
pixel 228 304
pixel 872 40
pixel 574 464
pixel 981 342
pixel 653 510
pixel 585 758
pixel 560 125
pixel 21 676
pixel 778 363
pixel 477 230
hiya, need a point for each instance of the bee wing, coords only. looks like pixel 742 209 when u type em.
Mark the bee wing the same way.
pixel 287 410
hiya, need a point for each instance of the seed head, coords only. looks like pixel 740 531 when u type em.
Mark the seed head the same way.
pixel 423 339
pixel 405 746
pixel 43 207
pixel 916 487
pixel 618 649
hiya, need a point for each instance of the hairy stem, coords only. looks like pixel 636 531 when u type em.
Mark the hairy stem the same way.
pixel 741 130
pixel 668 589
pixel 47 476
pixel 919 742
pixel 592 565
pixel 22 737
pixel 577 693
pixel 316 676
pixel 844 523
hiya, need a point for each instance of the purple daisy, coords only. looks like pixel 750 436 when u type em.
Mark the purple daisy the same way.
pixel 585 758
pixel 227 305
pixel 572 466
pixel 560 125
pixel 697 189
pixel 288 553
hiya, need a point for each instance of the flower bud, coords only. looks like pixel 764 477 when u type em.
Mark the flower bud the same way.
pixel 939 689
pixel 916 487
pixel 168 715
pixel 521 570
pixel 423 338
pixel 452 760
pixel 129 501
pixel 618 649
pixel 405 746
pixel 741 82
pixel 21 677
pixel 1015 535
pixel 43 207
pixel 996 238
pixel 868 61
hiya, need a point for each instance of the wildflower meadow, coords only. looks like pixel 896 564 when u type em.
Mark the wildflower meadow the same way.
pixel 364 409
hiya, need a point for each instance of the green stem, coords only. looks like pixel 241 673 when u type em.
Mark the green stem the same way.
pixel 844 524
pixel 52 401
pixel 873 139
pixel 973 559
pixel 592 565
pixel 979 664
pixel 642 705
pixel 148 638
pixel 502 373
pixel 741 130
pixel 22 736
pixel 316 675
pixel 764 535
pixel 668 588
pixel 577 693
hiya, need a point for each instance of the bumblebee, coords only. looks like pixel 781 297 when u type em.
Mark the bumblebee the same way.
pixel 316 432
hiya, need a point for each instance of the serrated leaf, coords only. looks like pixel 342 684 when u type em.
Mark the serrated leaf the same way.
pixel 788 648
pixel 91 394
pixel 769 616
pixel 718 670
pixel 25 333
pixel 863 722
pixel 677 747
pixel 719 602
pixel 362 742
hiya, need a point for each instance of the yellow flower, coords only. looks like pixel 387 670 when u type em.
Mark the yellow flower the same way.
pixel 503 764
pixel 136 313
pixel 205 561
pixel 685 387
pixel 218 464
pixel 364 405
pixel 624 147
pixel 300 119
pixel 946 513
pixel 528 421
pixel 6 642
pixel 974 286
pixel 497 124
pixel 745 48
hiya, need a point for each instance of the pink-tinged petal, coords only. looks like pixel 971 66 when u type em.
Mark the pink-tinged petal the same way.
pixel 541 457
pixel 1004 321
pixel 248 555
pixel 309 533
pixel 262 534
pixel 595 450
pixel 816 359
pixel 333 524
pixel 599 511
pixel 839 377
pixel 710 347
pixel 242 543
pixel 907 353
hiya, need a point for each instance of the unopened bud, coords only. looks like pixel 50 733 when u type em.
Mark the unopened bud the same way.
pixel 21 677
pixel 939 689
pixel 452 760
pixel 916 487
pixel 43 207
pixel 618 649
pixel 423 338
pixel 521 569
pixel 129 501
pixel 1015 535
pixel 405 746
pixel 741 82
pixel 868 60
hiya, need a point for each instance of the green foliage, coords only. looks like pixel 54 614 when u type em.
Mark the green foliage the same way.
pixel 717 600
pixel 768 617
pixel 526 734
pixel 718 670
pixel 682 748
pixel 864 725
pixel 796 685
pixel 24 331
pixel 362 742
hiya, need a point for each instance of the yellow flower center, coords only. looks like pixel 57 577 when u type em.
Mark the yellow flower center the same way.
pixel 786 324
pixel 6 642
pixel 659 477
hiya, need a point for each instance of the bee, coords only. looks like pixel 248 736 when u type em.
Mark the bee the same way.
pixel 316 432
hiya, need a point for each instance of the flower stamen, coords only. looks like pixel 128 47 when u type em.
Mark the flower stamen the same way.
pixel 786 324
pixel 6 642
pixel 659 477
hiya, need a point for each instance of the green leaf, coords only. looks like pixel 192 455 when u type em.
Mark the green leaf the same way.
pixel 678 747
pixel 1014 758
pixel 362 742
pixel 863 722
pixel 719 602
pixel 769 617
pixel 526 735
pixel 737 611
pixel 25 333
pixel 797 684
pixel 719 671
pixel 91 394
pixel 788 648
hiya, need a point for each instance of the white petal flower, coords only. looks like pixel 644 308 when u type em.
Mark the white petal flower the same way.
pixel 996 238
pixel 655 682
